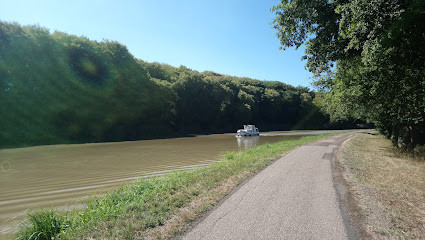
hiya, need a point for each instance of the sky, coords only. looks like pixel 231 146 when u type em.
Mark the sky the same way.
pixel 232 37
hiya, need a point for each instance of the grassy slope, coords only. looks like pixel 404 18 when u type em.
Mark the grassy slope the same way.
pixel 389 187
pixel 158 207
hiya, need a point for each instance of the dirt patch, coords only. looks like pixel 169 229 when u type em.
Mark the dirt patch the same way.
pixel 386 190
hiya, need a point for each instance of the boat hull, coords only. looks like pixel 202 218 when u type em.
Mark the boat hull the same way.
pixel 248 131
pixel 247 134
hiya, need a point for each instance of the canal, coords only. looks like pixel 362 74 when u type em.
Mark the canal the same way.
pixel 61 175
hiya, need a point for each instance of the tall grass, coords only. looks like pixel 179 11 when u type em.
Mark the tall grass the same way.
pixel 148 203
pixel 44 224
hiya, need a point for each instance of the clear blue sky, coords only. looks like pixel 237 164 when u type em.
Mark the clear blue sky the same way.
pixel 231 37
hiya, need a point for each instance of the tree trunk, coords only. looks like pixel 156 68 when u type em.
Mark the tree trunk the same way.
pixel 396 134
pixel 412 137
pixel 410 140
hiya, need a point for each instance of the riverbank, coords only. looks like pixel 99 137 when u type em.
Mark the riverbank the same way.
pixel 158 207
pixel 387 188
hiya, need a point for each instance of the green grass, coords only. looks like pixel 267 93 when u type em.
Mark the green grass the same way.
pixel 136 210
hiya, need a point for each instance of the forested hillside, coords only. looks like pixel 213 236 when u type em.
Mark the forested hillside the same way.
pixel 60 88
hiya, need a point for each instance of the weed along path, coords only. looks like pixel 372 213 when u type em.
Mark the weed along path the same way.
pixel 294 198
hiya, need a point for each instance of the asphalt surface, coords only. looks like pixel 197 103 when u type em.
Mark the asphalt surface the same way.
pixel 294 198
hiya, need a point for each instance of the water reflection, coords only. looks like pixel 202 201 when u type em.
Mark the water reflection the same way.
pixel 247 142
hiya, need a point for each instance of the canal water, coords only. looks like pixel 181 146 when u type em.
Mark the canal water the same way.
pixel 61 175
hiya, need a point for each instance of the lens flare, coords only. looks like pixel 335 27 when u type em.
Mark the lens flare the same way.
pixel 89 67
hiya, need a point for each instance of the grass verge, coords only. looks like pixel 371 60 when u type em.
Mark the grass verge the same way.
pixel 388 187
pixel 159 207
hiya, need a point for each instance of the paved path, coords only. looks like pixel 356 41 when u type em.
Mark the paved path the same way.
pixel 294 198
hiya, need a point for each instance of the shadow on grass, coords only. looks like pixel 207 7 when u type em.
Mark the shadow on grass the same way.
pixel 418 154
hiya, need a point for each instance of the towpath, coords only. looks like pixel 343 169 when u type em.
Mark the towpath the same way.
pixel 294 198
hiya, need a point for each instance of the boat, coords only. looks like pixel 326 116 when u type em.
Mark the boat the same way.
pixel 248 130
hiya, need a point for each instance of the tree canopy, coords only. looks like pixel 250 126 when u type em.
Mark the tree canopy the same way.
pixel 60 88
pixel 367 55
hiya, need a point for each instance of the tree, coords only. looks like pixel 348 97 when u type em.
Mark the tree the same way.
pixel 60 88
pixel 378 48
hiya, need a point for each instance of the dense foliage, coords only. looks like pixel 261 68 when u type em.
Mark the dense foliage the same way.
pixel 60 88
pixel 378 47
pixel 208 101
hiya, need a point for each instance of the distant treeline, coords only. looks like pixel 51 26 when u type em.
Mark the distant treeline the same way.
pixel 60 88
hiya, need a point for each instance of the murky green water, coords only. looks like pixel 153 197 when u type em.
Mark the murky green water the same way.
pixel 58 175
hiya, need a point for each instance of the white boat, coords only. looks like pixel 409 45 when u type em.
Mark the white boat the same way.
pixel 248 130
